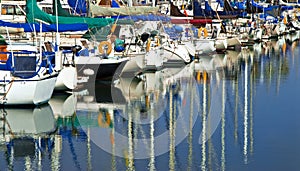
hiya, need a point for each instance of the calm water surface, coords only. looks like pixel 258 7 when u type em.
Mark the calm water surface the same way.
pixel 233 111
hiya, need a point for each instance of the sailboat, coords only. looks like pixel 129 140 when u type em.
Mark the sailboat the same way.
pixel 208 11
pixel 83 61
pixel 27 77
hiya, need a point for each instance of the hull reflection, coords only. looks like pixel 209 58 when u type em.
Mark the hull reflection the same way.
pixel 27 132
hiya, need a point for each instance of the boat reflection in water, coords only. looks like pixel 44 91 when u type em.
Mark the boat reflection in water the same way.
pixel 210 115
pixel 148 101
pixel 63 105
pixel 27 135
pixel 202 109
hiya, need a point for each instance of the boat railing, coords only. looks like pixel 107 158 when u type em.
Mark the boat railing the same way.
pixel 27 63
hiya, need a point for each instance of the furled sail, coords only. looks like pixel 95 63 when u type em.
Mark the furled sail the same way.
pixel 113 8
pixel 134 10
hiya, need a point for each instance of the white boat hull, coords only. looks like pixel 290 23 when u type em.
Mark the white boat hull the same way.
pixel 205 46
pixel 152 60
pixel 67 79
pixel 32 91
pixel 233 42
pixel 134 65
pixel 177 54
pixel 220 44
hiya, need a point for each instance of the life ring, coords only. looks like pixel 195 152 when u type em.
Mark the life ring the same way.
pixel 148 45
pixel 204 30
pixel 157 41
pixel 104 44
pixel 285 20
pixel 104 122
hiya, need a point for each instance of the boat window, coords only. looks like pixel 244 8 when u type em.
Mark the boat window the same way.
pixel 7 9
pixel 12 10
pixel 19 11
pixel 49 10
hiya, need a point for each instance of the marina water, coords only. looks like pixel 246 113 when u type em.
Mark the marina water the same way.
pixel 232 111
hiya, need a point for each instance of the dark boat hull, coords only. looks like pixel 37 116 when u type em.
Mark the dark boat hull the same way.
pixel 100 69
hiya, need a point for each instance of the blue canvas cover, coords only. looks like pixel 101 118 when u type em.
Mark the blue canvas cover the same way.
pixel 79 6
pixel 114 4
pixel 31 27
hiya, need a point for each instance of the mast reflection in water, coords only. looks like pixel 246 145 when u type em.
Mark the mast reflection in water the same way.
pixel 232 111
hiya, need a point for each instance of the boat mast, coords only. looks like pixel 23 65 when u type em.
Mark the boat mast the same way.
pixel 58 60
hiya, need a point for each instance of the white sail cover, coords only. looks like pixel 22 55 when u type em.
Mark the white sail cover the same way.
pixel 134 10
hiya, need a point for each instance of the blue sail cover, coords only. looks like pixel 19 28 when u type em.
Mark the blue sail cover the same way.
pixel 198 11
pixel 240 5
pixel 114 4
pixel 221 2
pixel 207 8
pixel 284 8
pixel 149 17
pixel 79 6
pixel 30 27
